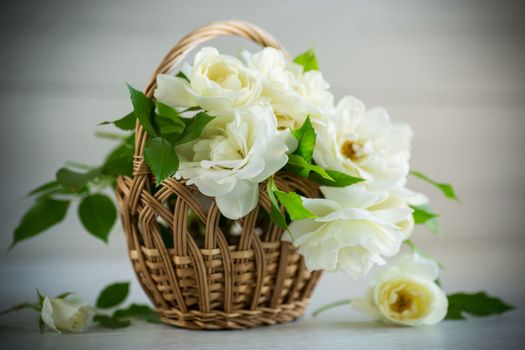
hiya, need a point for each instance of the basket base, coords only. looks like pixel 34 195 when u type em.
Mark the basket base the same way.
pixel 240 319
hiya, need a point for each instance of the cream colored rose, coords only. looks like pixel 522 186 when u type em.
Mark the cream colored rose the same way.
pixel 217 82
pixel 64 316
pixel 365 144
pixel 235 153
pixel 294 94
pixel 350 233
pixel 406 293
pixel 402 197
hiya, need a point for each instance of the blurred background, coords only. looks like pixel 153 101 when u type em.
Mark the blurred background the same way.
pixel 454 70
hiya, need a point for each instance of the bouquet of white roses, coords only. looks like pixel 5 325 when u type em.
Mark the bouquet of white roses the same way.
pixel 227 124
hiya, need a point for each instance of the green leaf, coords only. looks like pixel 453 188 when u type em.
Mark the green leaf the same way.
pixel 476 304
pixel 167 236
pixel 339 179
pixel 192 109
pixel 308 60
pixel 170 123
pixel 447 189
pixel 422 214
pixel 306 137
pixel 300 166
pixel 98 214
pixel 45 213
pixel 294 205
pixel 194 127
pixel 161 158
pixel 180 74
pixel 74 181
pixel 144 108
pixel 125 123
pixel 120 160
pixel 64 295
pixel 113 295
pixel 275 213
pixel 111 322
pixel 45 189
pixel 138 311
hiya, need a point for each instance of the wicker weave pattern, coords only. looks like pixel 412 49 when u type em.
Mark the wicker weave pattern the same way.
pixel 211 284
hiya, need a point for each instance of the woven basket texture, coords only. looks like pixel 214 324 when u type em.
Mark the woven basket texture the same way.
pixel 207 277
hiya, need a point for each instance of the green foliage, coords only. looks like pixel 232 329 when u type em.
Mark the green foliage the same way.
pixel 138 311
pixel 120 160
pixel 423 214
pixel 194 127
pixel 111 322
pixel 180 74
pixel 144 108
pixel 161 158
pixel 98 214
pixel 291 201
pixel 74 181
pixel 275 212
pixel 113 295
pixel 338 179
pixel 447 189
pixel 300 162
pixel 170 123
pixel 45 213
pixel 302 167
pixel 125 123
pixel 476 304
pixel 294 205
pixel 305 136
pixel 308 60
pixel 45 189
pixel 167 236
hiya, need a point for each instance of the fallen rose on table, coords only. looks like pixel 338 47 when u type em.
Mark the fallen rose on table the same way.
pixel 408 293
pixel 65 314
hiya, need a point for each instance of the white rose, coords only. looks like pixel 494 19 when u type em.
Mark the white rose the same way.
pixel 294 94
pixel 406 225
pixel 235 152
pixel 62 315
pixel 365 144
pixel 348 233
pixel 217 82
pixel 406 293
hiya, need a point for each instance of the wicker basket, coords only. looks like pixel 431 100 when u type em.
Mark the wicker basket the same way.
pixel 211 283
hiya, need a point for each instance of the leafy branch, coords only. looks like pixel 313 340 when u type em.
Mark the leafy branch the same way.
pixel 86 185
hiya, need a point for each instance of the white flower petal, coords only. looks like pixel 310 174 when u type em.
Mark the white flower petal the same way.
pixel 239 201
pixel 47 315
pixel 172 91
pixel 417 265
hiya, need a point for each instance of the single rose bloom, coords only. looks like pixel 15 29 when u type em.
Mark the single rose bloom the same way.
pixel 236 151
pixel 365 144
pixel 350 233
pixel 64 316
pixel 216 83
pixel 294 94
pixel 406 293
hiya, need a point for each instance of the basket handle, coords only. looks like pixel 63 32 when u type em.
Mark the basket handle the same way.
pixel 185 46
